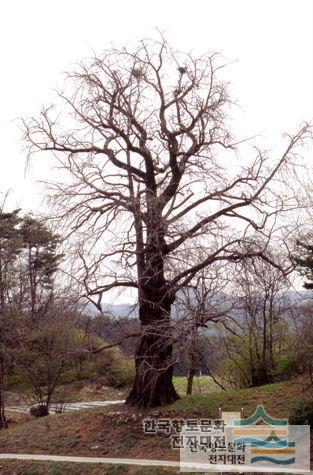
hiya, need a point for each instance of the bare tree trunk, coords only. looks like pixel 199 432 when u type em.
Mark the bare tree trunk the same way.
pixel 191 375
pixel 153 384
pixel 193 361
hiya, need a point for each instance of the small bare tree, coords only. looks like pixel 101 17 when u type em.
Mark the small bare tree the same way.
pixel 46 350
pixel 149 168
pixel 200 307
pixel 256 331
pixel 300 345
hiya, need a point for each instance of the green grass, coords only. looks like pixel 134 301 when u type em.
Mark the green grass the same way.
pixel 278 398
pixel 201 384
pixel 90 393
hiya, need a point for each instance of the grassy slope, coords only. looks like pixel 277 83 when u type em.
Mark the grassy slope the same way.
pixel 278 399
pixel 117 431
pixel 201 384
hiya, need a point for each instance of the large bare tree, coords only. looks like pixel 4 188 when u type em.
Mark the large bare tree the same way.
pixel 148 170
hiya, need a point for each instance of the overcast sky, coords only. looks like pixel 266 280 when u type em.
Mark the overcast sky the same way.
pixel 270 42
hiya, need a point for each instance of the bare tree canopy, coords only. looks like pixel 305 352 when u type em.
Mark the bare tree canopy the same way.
pixel 151 175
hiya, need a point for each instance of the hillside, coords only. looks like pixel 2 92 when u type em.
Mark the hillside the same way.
pixel 116 431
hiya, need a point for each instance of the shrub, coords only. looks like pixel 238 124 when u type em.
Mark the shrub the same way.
pixel 286 367
pixel 116 370
pixel 123 374
pixel 302 412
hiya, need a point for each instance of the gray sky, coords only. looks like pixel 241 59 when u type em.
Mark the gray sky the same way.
pixel 270 41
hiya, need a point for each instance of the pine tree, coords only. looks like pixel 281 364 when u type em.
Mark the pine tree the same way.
pixel 10 247
pixel 304 262
pixel 41 262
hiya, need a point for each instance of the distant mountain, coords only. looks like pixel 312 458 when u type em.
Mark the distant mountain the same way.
pixel 222 300
pixel 115 310
pixel 121 310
